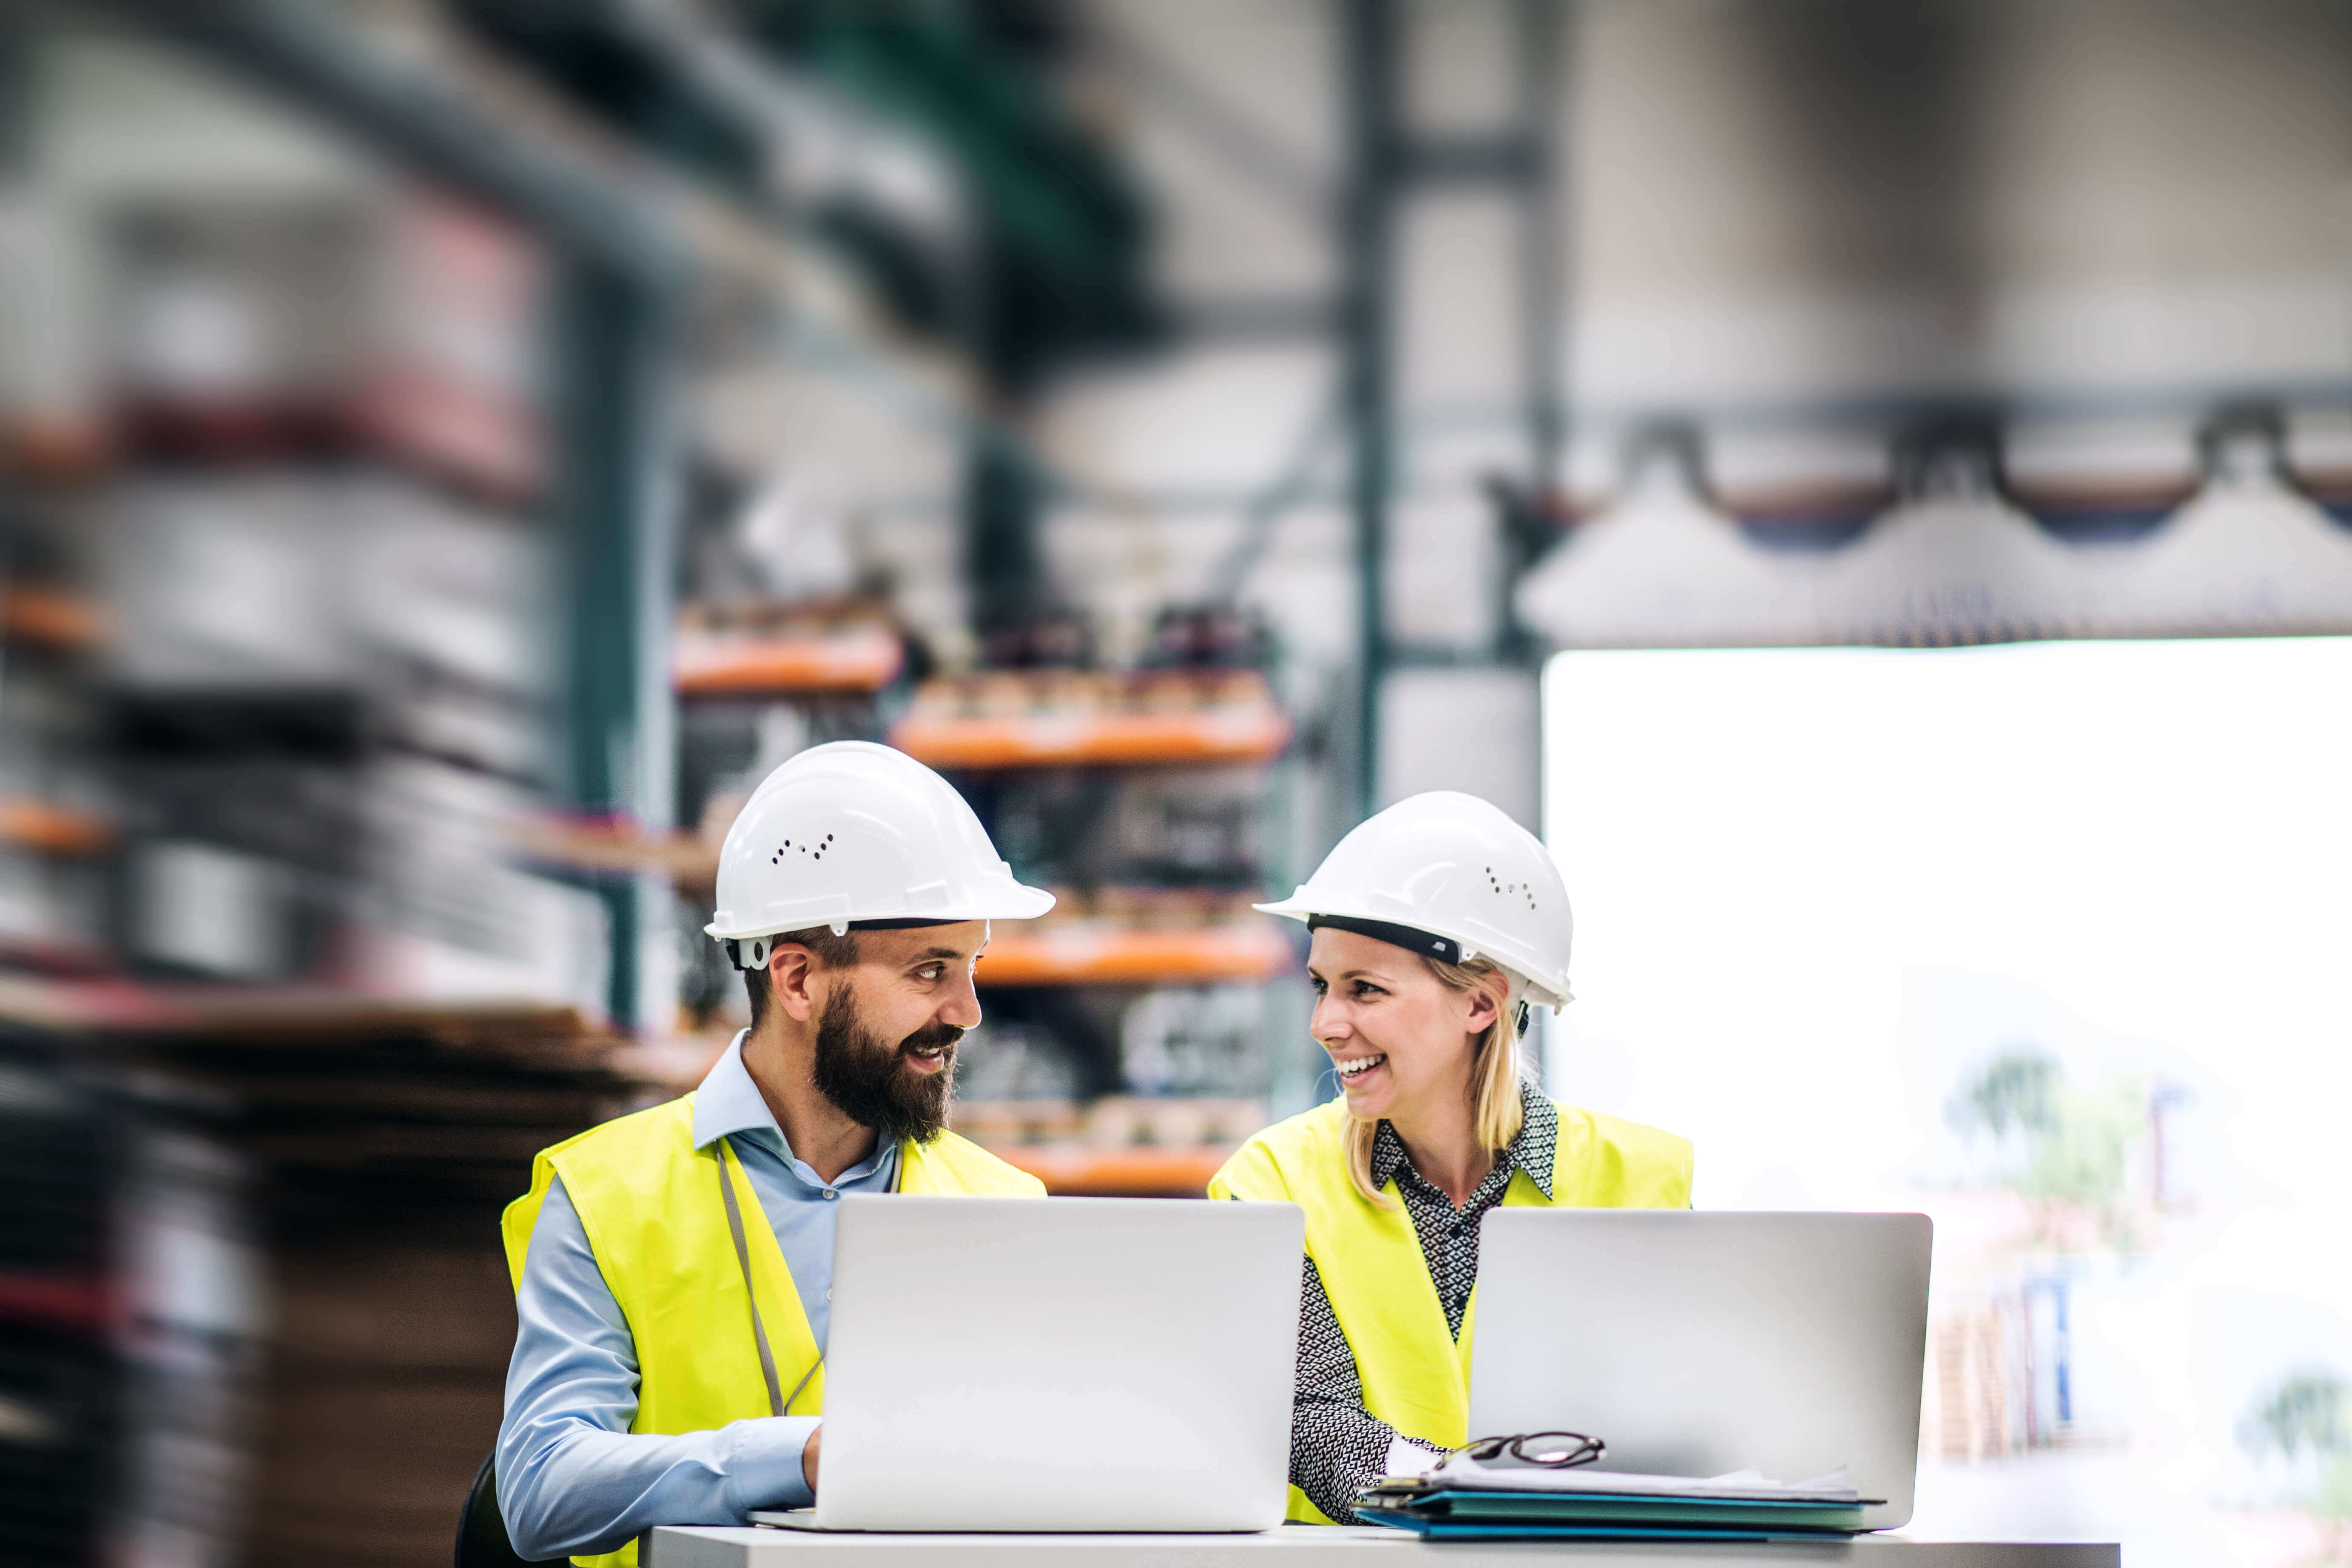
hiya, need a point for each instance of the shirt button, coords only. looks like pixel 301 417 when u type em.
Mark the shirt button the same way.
pixel 831 1193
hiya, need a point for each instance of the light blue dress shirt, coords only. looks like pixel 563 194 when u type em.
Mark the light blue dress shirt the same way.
pixel 572 1478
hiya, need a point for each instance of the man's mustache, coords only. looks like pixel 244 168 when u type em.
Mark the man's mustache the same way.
pixel 931 1037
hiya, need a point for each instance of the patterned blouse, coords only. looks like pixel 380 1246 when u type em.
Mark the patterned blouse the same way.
pixel 1337 1446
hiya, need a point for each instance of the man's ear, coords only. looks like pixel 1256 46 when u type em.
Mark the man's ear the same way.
pixel 791 981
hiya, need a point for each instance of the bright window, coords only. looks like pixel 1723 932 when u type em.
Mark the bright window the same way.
pixel 2054 941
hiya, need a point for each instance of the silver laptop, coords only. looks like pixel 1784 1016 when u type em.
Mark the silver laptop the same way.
pixel 1074 1364
pixel 1694 1344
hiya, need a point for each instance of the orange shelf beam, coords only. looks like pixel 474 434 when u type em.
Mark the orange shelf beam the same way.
pixel 51 618
pixel 1209 735
pixel 1140 1173
pixel 598 844
pixel 1079 955
pixel 1008 719
pixel 864 659
pixel 56 451
pixel 53 829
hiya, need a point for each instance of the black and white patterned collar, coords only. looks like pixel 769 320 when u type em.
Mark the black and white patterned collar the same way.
pixel 1530 1152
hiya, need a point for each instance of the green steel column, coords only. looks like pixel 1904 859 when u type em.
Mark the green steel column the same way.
pixel 613 449
pixel 1368 243
pixel 1536 33
pixel 1002 562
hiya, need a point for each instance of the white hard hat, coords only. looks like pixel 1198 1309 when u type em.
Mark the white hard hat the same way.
pixel 1449 875
pixel 850 832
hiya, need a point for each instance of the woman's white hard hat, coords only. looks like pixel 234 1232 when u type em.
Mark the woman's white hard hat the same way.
pixel 852 832
pixel 1454 867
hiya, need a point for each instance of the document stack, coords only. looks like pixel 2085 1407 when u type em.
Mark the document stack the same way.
pixel 1465 1499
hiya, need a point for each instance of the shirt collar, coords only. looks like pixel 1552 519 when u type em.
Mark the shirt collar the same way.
pixel 728 1101
pixel 1538 1138
pixel 1530 1152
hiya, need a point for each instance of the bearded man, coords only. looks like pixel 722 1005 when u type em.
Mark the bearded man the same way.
pixel 673 1268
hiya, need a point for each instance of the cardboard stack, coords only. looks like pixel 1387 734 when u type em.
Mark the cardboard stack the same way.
pixel 386 1140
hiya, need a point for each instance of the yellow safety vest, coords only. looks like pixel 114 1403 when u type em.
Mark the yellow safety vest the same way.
pixel 650 1205
pixel 1416 1374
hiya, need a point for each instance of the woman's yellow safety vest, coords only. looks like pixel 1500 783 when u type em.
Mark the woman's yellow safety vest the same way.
pixel 1415 1374
pixel 650 1204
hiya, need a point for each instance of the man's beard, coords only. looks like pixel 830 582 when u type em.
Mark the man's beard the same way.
pixel 875 1084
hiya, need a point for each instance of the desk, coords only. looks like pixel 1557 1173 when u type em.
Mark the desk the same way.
pixel 1362 1546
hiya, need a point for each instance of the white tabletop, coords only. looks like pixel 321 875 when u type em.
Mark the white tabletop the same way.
pixel 1327 1547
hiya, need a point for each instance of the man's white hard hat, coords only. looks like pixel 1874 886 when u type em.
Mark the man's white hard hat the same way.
pixel 851 832
pixel 1450 875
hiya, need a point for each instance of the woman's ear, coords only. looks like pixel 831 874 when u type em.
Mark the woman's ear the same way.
pixel 1484 1007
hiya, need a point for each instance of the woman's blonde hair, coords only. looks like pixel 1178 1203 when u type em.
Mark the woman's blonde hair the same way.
pixel 1495 1110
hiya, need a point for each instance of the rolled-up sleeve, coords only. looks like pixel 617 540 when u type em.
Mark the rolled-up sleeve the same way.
pixel 573 1480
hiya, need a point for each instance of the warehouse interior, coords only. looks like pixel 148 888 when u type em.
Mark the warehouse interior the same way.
pixel 451 451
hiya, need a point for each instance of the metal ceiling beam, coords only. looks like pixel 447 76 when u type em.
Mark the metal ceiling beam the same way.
pixel 423 121
pixel 1255 318
pixel 1258 158
pixel 1506 158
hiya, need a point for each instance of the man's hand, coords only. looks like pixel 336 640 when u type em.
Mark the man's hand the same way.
pixel 808 1458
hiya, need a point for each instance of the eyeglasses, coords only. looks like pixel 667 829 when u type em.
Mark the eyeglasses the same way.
pixel 1552 1450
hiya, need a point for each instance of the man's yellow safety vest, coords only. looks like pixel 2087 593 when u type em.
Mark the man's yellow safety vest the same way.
pixel 1416 1374
pixel 650 1204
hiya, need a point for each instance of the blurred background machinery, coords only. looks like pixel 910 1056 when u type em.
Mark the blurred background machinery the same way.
pixel 450 449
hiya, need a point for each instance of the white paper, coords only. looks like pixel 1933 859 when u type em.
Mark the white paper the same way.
pixel 1460 1470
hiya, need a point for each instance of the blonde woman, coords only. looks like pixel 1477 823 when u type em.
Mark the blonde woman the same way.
pixel 1437 925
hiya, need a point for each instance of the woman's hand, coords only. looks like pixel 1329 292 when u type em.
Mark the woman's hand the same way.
pixel 808 1458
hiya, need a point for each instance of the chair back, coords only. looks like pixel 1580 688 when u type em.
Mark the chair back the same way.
pixel 482 1540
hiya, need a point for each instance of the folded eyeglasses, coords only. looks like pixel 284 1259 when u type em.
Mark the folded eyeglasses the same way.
pixel 1552 1450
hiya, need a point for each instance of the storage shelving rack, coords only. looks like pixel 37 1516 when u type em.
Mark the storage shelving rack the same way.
pixel 754 681
pixel 1103 949
pixel 362 1144
pixel 257 1111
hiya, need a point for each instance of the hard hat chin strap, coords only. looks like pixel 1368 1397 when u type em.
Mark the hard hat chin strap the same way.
pixel 753 951
pixel 1428 943
pixel 749 952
